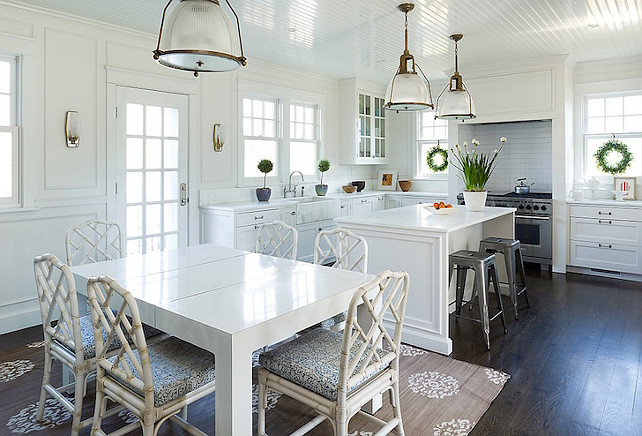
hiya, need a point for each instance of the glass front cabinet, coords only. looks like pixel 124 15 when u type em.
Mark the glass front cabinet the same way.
pixel 362 123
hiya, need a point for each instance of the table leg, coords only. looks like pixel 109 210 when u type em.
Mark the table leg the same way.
pixel 233 387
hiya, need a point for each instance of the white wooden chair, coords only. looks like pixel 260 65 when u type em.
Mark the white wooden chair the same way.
pixel 153 380
pixel 69 338
pixel 277 239
pixel 340 248
pixel 337 373
pixel 94 241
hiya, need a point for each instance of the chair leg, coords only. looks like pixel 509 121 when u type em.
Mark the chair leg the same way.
pixel 495 279
pixel 45 381
pixel 99 409
pixel 78 398
pixel 481 283
pixel 522 274
pixel 262 405
pixel 511 272
pixel 459 290
pixel 396 408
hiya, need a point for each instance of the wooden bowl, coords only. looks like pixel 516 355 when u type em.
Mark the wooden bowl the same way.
pixel 405 185
pixel 349 189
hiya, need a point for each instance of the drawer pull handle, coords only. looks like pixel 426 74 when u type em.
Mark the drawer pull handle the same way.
pixel 604 245
pixel 603 213
pixel 293 213
pixel 256 217
pixel 256 227
pixel 605 221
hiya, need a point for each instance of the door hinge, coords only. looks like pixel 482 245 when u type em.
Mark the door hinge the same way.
pixel 116 111
pixel 116 188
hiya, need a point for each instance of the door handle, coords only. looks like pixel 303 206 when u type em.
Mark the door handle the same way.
pixel 604 221
pixel 604 245
pixel 184 197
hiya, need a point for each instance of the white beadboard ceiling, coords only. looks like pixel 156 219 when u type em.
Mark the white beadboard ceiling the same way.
pixel 364 38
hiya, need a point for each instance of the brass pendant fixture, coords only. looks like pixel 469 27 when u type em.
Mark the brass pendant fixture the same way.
pixel 408 91
pixel 456 103
pixel 197 35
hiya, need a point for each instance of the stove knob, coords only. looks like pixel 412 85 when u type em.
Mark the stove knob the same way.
pixel 536 207
pixel 528 206
pixel 521 206
pixel 543 207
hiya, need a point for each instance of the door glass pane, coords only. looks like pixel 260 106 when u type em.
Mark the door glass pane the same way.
pixel 134 153
pixel 170 122
pixel 134 246
pixel 134 221
pixel 170 189
pixel 171 153
pixel 134 187
pixel 153 186
pixel 171 217
pixel 134 119
pixel 153 121
pixel 153 243
pixel 171 241
pixel 153 153
pixel 153 219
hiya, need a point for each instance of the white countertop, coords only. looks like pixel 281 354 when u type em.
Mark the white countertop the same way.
pixel 419 218
pixel 606 202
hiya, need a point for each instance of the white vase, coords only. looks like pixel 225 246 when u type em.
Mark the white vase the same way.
pixel 475 200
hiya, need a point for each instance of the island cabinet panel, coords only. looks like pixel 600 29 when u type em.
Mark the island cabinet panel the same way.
pixel 606 239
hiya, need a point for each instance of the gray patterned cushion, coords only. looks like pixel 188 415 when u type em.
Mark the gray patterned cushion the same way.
pixel 87 334
pixel 312 361
pixel 178 368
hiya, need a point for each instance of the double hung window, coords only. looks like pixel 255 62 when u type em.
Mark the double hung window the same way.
pixel 430 132
pixel 9 151
pixel 618 114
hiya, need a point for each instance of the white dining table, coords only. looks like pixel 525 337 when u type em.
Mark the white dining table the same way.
pixel 229 302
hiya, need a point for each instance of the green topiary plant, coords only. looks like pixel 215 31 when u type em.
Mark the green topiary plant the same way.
pixel 265 166
pixel 323 166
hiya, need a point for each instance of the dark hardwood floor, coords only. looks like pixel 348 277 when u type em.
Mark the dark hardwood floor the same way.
pixel 574 358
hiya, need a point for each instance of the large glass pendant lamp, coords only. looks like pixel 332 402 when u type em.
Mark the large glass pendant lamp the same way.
pixel 198 36
pixel 408 91
pixel 456 103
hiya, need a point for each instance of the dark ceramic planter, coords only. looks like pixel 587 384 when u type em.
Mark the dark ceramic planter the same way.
pixel 321 190
pixel 263 194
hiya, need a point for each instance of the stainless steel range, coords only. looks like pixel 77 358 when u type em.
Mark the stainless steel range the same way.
pixel 533 226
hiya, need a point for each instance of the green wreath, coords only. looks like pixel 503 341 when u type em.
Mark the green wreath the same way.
pixel 430 159
pixel 613 145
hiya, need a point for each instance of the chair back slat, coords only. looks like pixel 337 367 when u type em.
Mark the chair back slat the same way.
pixel 94 241
pixel 340 248
pixel 277 239
pixel 386 295
pixel 132 361
pixel 58 302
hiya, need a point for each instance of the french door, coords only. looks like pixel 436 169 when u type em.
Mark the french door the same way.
pixel 151 180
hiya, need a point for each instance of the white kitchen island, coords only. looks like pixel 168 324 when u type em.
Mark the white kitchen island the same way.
pixel 419 242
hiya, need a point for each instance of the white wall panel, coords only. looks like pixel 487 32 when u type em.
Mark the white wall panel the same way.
pixel 70 84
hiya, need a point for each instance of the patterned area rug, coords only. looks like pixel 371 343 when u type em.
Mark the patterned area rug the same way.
pixel 439 396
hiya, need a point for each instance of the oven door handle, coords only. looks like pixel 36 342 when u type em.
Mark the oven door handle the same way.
pixel 541 218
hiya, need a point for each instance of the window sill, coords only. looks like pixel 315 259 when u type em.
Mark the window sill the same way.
pixel 12 209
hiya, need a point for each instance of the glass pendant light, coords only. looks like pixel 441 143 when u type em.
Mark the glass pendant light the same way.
pixel 197 35
pixel 456 104
pixel 408 91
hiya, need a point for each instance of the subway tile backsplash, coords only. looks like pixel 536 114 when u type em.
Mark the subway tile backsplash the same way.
pixel 527 153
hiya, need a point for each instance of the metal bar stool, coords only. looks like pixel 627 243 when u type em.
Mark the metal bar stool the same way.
pixel 510 249
pixel 483 264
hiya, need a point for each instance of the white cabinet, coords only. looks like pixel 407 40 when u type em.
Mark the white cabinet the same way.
pixel 362 123
pixel 346 207
pixel 288 215
pixel 392 202
pixel 362 205
pixel 379 203
pixel 606 237
pixel 307 235
pixel 410 201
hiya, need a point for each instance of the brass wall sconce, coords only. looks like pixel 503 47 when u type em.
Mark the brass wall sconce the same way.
pixel 218 137
pixel 72 129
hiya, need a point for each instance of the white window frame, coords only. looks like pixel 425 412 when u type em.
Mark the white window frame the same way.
pixel 316 134
pixel 13 128
pixel 584 136
pixel 418 157
pixel 284 97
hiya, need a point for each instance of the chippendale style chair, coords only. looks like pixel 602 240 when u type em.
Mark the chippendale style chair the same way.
pixel 153 380
pixel 336 373
pixel 340 248
pixel 277 239
pixel 94 241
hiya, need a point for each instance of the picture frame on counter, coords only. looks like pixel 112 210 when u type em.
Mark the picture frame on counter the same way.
pixel 626 185
pixel 387 180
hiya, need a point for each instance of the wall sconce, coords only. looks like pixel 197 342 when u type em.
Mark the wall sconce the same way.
pixel 72 129
pixel 218 137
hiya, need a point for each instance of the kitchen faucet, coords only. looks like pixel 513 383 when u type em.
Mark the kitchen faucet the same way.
pixel 290 188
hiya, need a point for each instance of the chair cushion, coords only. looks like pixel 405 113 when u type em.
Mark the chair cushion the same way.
pixel 178 368
pixel 312 361
pixel 87 334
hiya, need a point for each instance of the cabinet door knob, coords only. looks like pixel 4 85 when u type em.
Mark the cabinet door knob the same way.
pixel 293 213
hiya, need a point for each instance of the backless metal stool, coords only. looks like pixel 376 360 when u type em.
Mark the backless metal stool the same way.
pixel 510 249
pixel 483 264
